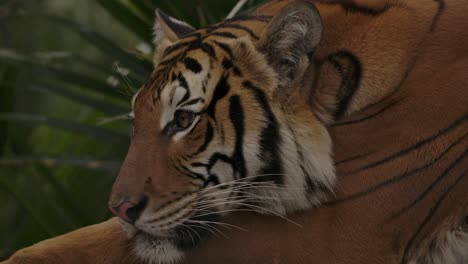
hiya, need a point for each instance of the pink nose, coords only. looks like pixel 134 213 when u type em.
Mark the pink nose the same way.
pixel 129 211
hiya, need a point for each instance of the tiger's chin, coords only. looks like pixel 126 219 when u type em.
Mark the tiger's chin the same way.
pixel 171 246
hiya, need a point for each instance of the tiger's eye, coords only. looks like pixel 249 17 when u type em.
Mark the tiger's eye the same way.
pixel 184 119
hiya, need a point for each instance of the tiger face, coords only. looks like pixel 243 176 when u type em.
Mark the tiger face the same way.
pixel 222 125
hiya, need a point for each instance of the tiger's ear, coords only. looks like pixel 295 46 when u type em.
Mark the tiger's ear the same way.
pixel 167 28
pixel 289 39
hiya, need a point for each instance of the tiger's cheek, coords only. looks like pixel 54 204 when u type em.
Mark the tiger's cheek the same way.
pixel 223 171
pixel 225 174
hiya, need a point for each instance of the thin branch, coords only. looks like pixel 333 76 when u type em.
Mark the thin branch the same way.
pixel 236 8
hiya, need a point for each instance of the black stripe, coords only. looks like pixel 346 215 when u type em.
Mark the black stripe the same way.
pixel 440 10
pixel 195 175
pixel 227 64
pixel 183 44
pixel 392 96
pixel 224 47
pixel 208 137
pixel 270 139
pixel 182 81
pixel 413 147
pixel 352 122
pixel 243 28
pixel 224 35
pixel 430 187
pixel 213 178
pixel 352 158
pixel 240 18
pixel 176 47
pixel 193 101
pixel 212 160
pixel 192 65
pixel 205 47
pixel 208 49
pixel 396 179
pixel 355 8
pixel 218 156
pixel 350 70
pixel 236 114
pixel 428 217
pixel 311 187
pixel 239 27
pixel 195 34
pixel 170 61
pixel 221 90
pixel 174 77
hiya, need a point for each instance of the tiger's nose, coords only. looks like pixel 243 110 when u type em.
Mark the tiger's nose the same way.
pixel 129 211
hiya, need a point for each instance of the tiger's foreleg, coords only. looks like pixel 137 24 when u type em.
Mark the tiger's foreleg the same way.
pixel 103 243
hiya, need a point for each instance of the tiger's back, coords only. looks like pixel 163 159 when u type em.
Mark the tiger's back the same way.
pixel 401 194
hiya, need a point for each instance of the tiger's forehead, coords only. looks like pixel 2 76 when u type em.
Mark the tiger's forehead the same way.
pixel 187 81
pixel 190 62
pixel 210 42
pixel 176 83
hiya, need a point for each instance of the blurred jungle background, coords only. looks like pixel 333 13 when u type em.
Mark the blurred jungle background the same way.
pixel 68 69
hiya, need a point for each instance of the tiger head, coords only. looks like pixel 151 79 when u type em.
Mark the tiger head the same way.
pixel 223 124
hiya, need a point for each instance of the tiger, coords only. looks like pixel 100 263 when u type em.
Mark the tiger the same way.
pixel 239 118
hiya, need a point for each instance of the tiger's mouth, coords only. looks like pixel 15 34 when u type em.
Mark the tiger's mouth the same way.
pixel 184 236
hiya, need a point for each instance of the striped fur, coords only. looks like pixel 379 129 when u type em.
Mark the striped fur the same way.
pixel 262 96
pixel 240 147
pixel 252 141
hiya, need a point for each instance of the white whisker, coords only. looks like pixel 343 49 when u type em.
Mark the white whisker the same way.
pixel 189 233
pixel 206 225
pixel 243 180
pixel 202 226
pixel 123 73
pixel 225 225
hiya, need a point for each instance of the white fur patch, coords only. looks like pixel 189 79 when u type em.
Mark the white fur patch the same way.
pixel 315 144
pixel 451 247
pixel 169 102
pixel 156 252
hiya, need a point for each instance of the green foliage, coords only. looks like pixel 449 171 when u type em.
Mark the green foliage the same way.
pixel 65 67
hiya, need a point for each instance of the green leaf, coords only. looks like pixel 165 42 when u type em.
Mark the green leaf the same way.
pixel 61 57
pixel 83 81
pixel 104 106
pixel 8 74
pixel 90 164
pixel 69 213
pixel 26 204
pixel 146 10
pixel 138 66
pixel 124 15
pixel 70 126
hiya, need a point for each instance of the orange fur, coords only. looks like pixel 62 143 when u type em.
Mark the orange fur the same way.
pixel 412 96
